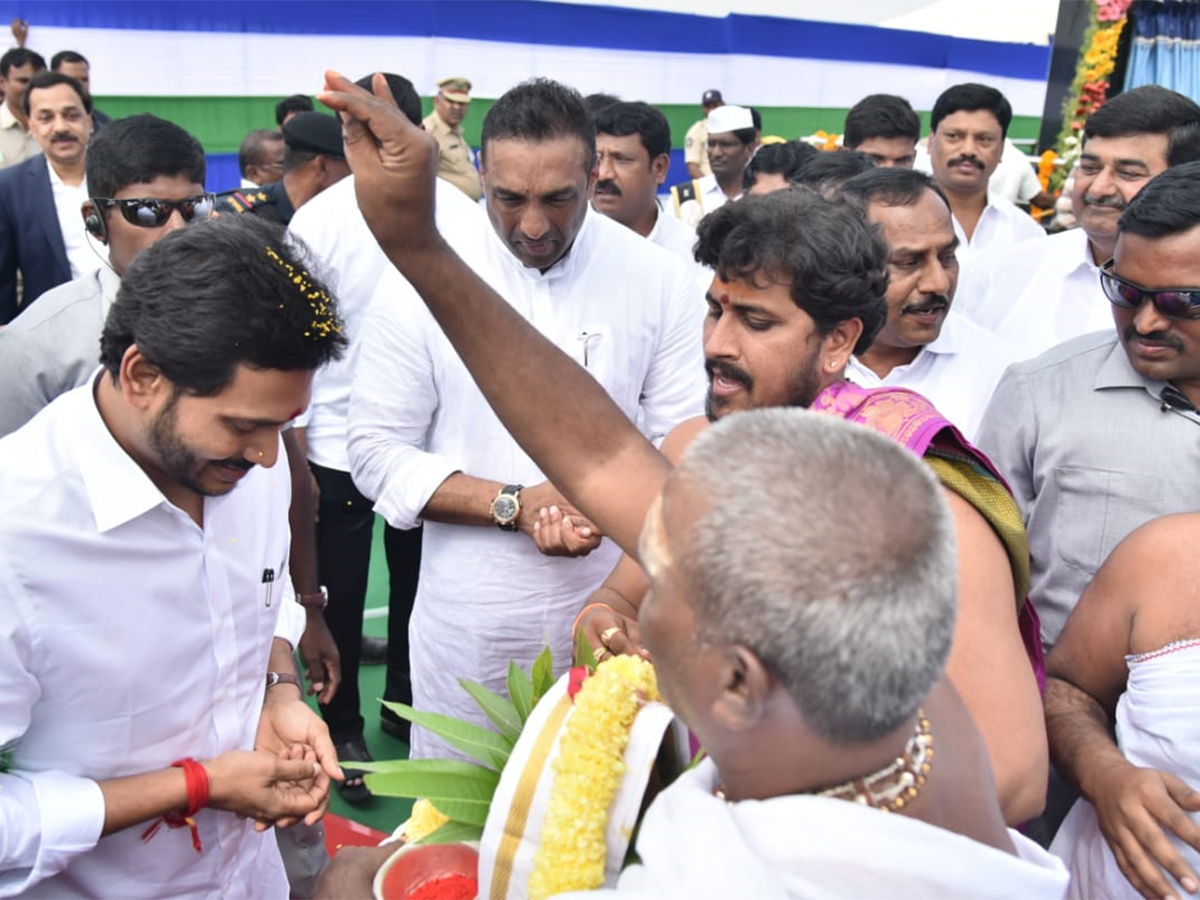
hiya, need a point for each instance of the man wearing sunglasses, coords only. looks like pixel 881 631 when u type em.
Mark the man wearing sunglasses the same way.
pixel 1099 435
pixel 146 179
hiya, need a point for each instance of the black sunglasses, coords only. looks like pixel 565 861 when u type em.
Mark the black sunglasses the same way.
pixel 151 212
pixel 1174 303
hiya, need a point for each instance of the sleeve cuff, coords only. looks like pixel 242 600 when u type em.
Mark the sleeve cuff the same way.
pixel 69 812
pixel 405 497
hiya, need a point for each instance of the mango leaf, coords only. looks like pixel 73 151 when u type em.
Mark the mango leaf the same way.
pixel 583 652
pixel 520 691
pixel 479 743
pixel 543 674
pixel 500 712
pixel 453 832
pixel 459 789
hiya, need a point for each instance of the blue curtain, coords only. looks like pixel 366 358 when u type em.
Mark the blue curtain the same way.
pixel 1166 45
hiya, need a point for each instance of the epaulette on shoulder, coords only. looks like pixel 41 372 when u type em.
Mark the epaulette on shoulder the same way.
pixel 240 201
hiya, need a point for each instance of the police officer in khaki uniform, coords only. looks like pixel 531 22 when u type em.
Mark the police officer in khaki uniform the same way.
pixel 695 142
pixel 457 161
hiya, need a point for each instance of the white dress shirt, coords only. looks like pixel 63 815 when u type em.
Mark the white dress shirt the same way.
pixel 618 305
pixel 130 637
pixel 349 261
pixel 957 373
pixel 674 235
pixel 1045 292
pixel 67 201
pixel 1001 227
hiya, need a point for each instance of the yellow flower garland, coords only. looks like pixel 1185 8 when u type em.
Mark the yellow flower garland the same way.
pixel 587 775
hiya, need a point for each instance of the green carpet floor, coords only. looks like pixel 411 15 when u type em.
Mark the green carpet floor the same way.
pixel 384 813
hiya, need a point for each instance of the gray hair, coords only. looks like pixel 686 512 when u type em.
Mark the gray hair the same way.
pixel 828 550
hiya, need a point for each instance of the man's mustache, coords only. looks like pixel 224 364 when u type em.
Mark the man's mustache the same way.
pixel 608 186
pixel 1113 201
pixel 928 303
pixel 972 160
pixel 1159 338
pixel 727 372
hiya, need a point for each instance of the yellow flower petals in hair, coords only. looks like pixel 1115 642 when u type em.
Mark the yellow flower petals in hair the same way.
pixel 325 323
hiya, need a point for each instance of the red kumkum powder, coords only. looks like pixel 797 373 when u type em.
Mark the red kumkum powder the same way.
pixel 447 887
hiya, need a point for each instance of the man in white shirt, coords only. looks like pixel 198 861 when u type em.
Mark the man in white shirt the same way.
pixel 1042 293
pixel 500 574
pixel 732 140
pixel 17 68
pixel 41 227
pixel 351 263
pixel 967 129
pixel 633 154
pixel 146 618
pixel 925 345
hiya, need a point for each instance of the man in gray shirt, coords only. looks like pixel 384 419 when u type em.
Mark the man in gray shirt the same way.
pixel 1099 435
pixel 146 178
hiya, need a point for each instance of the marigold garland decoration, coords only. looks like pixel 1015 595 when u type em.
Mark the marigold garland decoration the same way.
pixel 1089 90
pixel 588 770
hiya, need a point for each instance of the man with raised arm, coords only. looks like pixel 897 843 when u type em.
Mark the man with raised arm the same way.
pixel 729 666
pixel 774 345
pixel 425 447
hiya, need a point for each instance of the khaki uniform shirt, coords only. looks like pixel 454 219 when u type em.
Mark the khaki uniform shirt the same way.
pixel 456 161
pixel 695 146
pixel 16 144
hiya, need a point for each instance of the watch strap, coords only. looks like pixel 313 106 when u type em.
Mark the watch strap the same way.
pixel 319 600
pixel 274 678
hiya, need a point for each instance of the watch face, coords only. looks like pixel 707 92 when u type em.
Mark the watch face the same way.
pixel 505 508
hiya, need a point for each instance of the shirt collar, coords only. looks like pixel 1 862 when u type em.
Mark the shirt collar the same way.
pixel 110 283
pixel 1117 372
pixel 118 488
pixel 7 119
pixel 57 182
pixel 949 340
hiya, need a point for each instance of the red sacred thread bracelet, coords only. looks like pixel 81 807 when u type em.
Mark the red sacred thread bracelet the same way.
pixel 198 786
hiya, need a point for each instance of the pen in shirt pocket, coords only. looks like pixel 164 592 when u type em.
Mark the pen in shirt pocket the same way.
pixel 585 338
pixel 268 578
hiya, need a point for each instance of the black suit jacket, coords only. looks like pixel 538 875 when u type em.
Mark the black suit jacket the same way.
pixel 30 237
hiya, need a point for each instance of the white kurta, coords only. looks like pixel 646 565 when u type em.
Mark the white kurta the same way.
pixel 693 844
pixel 1001 227
pixel 957 373
pixel 129 638
pixel 1156 728
pixel 1045 292
pixel 618 305
pixel 350 262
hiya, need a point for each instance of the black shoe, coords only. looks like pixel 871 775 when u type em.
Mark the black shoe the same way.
pixel 353 789
pixel 392 724
pixel 374 651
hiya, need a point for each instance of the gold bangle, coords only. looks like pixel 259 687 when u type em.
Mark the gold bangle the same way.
pixel 583 612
